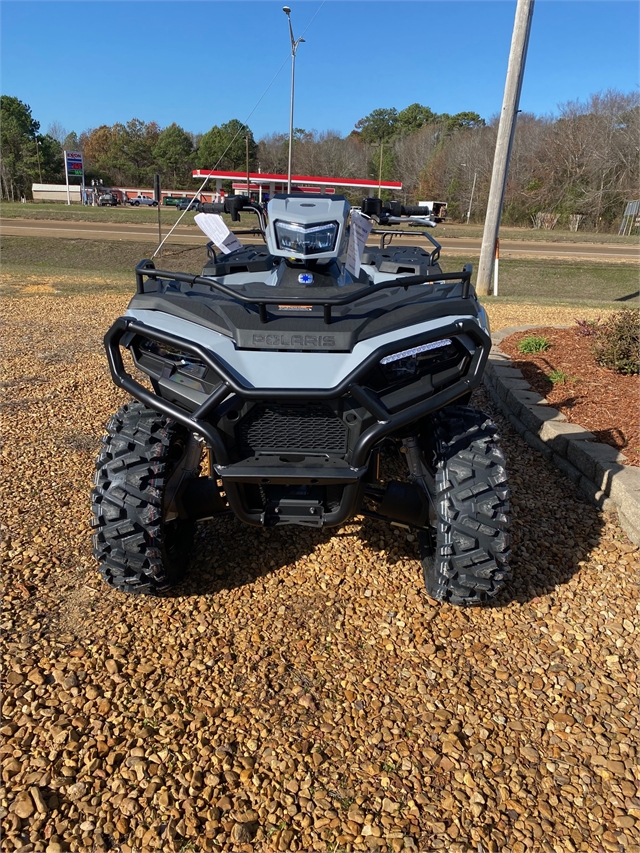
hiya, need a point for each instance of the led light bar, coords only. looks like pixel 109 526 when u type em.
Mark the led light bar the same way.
pixel 407 353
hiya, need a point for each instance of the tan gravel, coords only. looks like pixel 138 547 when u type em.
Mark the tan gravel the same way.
pixel 506 314
pixel 300 691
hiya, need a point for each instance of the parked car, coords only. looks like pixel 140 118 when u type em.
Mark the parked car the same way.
pixel 171 201
pixel 185 203
pixel 143 199
pixel 108 200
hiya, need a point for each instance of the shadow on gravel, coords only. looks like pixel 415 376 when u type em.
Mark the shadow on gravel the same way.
pixel 553 526
pixel 229 554
pixel 546 547
pixel 553 529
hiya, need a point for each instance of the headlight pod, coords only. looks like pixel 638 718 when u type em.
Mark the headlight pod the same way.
pixel 166 363
pixel 188 364
pixel 415 360
pixel 313 239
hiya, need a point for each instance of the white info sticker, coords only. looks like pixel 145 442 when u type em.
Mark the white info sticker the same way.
pixel 215 229
pixel 360 229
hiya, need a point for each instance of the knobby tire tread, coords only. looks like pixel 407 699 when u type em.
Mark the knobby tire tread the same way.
pixel 465 559
pixel 135 550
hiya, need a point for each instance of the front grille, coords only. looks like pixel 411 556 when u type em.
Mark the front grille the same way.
pixel 277 428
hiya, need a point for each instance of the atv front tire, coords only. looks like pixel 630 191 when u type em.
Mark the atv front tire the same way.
pixel 137 549
pixel 464 557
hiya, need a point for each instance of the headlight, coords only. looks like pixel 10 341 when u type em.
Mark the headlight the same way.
pixel 154 358
pixel 306 240
pixel 183 362
pixel 415 351
pixel 410 362
pixel 408 365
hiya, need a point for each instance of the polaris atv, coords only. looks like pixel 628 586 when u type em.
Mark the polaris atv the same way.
pixel 272 384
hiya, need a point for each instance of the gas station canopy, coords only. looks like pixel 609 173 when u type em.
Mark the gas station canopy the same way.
pixel 305 183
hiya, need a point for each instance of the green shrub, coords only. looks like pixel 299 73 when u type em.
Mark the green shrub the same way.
pixel 617 342
pixel 533 343
pixel 559 377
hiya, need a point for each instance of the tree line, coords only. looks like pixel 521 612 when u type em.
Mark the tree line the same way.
pixel 575 169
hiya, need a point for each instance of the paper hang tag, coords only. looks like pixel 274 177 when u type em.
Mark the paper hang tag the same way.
pixel 360 229
pixel 214 228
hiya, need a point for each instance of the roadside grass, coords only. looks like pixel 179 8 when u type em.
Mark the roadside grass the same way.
pixel 75 267
pixel 146 215
pixel 103 256
pixel 85 263
pixel 560 282
pixel 66 283
pixel 537 235
pixel 78 213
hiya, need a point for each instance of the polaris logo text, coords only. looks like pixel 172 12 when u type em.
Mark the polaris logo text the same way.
pixel 293 341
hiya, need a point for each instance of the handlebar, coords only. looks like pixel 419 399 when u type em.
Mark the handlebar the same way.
pixel 211 207
pixel 391 211
pixel 233 205
pixel 415 210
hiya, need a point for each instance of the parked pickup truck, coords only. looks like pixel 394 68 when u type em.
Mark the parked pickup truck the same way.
pixel 143 199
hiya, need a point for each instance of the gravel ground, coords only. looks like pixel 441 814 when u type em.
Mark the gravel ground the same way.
pixel 300 691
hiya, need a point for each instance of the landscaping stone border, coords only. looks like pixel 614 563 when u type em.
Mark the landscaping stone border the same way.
pixel 597 469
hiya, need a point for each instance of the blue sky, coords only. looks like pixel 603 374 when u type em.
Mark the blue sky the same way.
pixel 202 63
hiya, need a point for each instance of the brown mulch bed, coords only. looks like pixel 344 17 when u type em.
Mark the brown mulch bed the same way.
pixel 604 402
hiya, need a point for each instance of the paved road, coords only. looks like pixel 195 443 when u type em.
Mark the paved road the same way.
pixel 190 235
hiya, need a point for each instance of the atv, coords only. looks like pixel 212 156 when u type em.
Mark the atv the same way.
pixel 272 384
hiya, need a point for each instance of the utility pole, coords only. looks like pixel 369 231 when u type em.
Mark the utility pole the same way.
pixel 380 171
pixel 504 141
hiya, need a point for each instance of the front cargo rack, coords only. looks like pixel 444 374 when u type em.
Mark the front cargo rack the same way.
pixel 146 269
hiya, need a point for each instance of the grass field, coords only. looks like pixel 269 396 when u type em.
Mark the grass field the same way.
pixel 72 267
pixel 558 282
pixel 77 213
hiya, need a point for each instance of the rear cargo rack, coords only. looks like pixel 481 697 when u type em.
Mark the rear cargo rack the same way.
pixel 387 234
pixel 147 269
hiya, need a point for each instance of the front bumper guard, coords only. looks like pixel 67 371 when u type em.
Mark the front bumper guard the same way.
pixel 386 422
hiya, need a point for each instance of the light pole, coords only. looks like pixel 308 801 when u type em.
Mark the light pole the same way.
pixel 294 49
pixel 38 156
pixel 473 189
pixel 246 144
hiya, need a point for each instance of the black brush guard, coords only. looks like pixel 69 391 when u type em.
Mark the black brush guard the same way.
pixel 321 472
pixel 386 421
